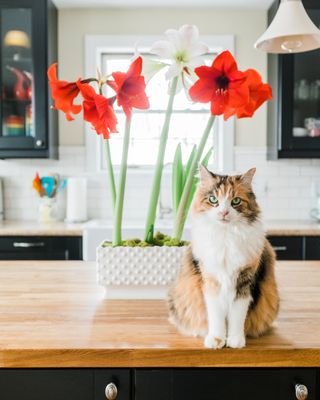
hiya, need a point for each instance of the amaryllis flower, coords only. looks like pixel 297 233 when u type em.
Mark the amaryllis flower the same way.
pixel 130 88
pixel 222 84
pixel 98 110
pixel 182 50
pixel 259 92
pixel 63 93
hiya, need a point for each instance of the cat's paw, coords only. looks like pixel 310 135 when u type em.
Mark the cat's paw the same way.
pixel 214 342
pixel 236 342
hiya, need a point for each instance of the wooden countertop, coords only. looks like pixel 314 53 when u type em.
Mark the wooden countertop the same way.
pixel 53 314
pixel 32 228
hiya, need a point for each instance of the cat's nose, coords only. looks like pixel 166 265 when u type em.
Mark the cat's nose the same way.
pixel 223 213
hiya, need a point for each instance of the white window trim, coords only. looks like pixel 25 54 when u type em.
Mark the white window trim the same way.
pixel 95 45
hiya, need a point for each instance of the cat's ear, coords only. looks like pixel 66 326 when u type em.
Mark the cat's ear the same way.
pixel 205 175
pixel 248 176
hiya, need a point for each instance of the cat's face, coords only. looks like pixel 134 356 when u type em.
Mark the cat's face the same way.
pixel 226 199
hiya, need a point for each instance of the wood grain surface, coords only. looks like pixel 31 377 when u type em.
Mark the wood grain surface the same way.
pixel 53 314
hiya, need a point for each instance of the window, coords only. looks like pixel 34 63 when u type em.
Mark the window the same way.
pixel 113 53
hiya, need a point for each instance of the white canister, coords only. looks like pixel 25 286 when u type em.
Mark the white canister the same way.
pixel 77 200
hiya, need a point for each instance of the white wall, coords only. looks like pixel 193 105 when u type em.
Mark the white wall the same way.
pixel 246 25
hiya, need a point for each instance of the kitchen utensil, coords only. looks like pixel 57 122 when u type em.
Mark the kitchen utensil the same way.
pixel 48 183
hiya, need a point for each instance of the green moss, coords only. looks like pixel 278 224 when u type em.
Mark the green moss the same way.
pixel 160 239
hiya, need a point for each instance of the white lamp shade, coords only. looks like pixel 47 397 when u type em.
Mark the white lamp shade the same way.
pixel 291 30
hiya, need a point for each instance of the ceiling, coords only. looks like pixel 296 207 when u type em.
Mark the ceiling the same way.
pixel 259 4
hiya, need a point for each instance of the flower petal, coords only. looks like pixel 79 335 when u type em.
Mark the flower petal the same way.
pixel 198 49
pixel 173 71
pixel 225 63
pixel 189 34
pixel 163 49
pixel 201 91
pixel 174 38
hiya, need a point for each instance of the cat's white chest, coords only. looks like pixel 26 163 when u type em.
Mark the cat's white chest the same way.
pixel 224 249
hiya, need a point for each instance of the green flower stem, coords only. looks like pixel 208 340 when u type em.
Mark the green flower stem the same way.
pixel 117 226
pixel 183 205
pixel 110 172
pixel 159 166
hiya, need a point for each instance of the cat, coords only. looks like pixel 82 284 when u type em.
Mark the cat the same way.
pixel 226 288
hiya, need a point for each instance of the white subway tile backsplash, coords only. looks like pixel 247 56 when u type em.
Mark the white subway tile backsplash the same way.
pixel 286 189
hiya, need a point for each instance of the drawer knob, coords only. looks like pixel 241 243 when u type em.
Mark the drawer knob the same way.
pixel 111 391
pixel 301 392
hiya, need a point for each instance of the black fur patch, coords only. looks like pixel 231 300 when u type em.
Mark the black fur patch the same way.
pixel 244 283
pixel 259 278
pixel 196 266
pixel 249 283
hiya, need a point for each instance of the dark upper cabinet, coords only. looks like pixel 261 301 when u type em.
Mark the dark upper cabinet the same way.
pixel 28 127
pixel 294 113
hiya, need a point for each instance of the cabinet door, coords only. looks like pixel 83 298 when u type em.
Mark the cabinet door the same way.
pixel 223 384
pixel 40 248
pixel 46 384
pixel 312 248
pixel 287 247
pixel 26 27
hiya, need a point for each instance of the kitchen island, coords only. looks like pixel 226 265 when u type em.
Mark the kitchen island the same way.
pixel 54 315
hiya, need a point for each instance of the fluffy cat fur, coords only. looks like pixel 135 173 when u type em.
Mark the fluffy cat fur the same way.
pixel 226 287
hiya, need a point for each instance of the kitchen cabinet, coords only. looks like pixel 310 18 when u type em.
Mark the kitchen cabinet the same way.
pixel 294 113
pixel 296 247
pixel 157 384
pixel 226 384
pixel 40 248
pixel 288 247
pixel 28 127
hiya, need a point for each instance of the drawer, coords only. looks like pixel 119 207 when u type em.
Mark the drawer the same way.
pixel 288 247
pixel 40 248
pixel 312 247
pixel 48 384
pixel 226 384
pixel 63 384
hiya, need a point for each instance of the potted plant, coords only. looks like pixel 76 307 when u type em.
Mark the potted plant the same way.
pixel 153 260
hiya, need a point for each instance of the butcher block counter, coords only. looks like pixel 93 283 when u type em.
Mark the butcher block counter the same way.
pixel 53 314
pixel 60 339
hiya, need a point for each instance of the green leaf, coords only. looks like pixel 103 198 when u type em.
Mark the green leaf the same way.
pixel 206 158
pixel 195 182
pixel 177 178
pixel 189 163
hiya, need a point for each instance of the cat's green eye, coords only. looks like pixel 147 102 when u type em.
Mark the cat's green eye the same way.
pixel 213 200
pixel 235 201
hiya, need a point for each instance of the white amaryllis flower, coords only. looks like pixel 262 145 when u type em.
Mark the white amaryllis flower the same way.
pixel 182 50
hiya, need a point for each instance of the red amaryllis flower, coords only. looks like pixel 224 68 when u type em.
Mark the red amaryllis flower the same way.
pixel 63 93
pixel 130 88
pixel 98 110
pixel 222 84
pixel 259 92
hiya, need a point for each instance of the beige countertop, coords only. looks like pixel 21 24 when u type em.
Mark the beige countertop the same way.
pixel 292 228
pixel 32 228
pixel 54 314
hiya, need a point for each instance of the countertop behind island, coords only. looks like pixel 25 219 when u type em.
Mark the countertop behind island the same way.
pixel 53 314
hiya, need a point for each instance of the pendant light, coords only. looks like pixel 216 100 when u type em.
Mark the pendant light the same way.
pixel 291 30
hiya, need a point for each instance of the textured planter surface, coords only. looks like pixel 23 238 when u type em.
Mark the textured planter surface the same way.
pixel 138 272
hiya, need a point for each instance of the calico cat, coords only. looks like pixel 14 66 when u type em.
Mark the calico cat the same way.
pixel 226 287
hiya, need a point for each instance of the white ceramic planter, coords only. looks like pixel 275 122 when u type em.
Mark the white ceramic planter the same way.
pixel 138 272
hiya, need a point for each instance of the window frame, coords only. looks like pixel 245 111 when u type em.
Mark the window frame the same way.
pixel 96 45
